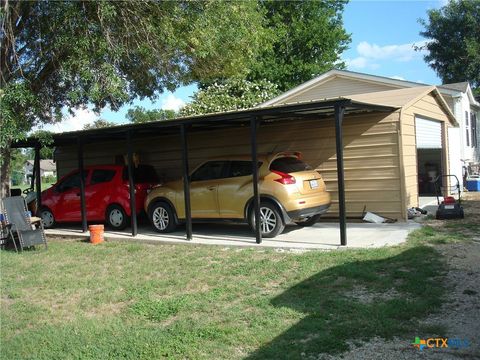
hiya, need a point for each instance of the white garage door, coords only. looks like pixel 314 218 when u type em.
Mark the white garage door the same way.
pixel 428 133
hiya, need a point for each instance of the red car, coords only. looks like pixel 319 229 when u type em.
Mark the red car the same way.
pixel 107 195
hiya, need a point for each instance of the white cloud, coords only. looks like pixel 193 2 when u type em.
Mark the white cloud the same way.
pixel 360 63
pixel 402 52
pixel 371 54
pixel 397 77
pixel 74 122
pixel 171 102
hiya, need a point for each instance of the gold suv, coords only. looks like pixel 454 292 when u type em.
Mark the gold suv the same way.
pixel 290 191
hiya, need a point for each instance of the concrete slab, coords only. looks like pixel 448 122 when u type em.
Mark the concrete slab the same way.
pixel 429 203
pixel 320 236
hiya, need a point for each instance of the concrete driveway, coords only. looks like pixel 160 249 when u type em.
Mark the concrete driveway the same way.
pixel 323 235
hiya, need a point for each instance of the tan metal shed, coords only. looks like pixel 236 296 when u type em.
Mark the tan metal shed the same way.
pixel 379 149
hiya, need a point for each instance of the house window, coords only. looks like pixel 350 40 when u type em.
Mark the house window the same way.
pixel 467 125
pixel 473 125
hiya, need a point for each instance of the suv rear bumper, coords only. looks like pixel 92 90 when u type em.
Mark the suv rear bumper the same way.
pixel 303 213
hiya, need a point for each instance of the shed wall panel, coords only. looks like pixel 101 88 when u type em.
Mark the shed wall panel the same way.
pixel 370 155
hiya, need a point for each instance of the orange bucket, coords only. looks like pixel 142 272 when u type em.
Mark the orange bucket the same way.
pixel 96 233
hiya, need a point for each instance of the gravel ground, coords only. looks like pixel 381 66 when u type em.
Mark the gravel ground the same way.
pixel 460 315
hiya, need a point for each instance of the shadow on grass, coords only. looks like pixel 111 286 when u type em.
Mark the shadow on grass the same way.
pixel 357 301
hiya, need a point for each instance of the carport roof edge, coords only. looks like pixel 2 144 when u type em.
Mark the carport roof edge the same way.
pixel 325 107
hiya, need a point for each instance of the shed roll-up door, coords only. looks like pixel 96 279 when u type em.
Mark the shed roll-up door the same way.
pixel 428 133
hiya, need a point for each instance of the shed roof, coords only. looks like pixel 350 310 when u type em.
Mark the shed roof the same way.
pixel 406 97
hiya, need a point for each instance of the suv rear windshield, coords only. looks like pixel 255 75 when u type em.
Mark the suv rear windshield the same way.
pixel 142 174
pixel 289 165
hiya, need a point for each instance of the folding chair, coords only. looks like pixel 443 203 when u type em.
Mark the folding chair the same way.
pixel 17 217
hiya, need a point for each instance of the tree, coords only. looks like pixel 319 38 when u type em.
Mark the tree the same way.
pixel 307 38
pixel 58 55
pixel 454 42
pixel 139 115
pixel 232 94
pixel 98 124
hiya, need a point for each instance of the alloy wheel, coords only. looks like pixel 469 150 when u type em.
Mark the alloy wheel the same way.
pixel 268 220
pixel 160 218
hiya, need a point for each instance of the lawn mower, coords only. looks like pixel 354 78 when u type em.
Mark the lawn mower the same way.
pixel 449 208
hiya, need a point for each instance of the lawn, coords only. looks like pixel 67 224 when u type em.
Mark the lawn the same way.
pixel 139 301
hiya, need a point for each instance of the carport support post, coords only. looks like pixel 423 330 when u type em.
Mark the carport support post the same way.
pixel 83 206
pixel 38 179
pixel 256 196
pixel 131 184
pixel 339 112
pixel 186 182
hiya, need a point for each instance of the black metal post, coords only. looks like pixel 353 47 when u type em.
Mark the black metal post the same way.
pixel 83 206
pixel 186 182
pixel 38 179
pixel 256 195
pixel 131 183
pixel 339 112
pixel 32 180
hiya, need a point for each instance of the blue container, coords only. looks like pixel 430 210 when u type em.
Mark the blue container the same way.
pixel 473 185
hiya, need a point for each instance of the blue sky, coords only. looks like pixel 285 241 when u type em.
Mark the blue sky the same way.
pixel 383 34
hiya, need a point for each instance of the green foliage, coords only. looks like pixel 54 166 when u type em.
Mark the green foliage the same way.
pixel 66 54
pixel 307 39
pixel 139 115
pixel 231 94
pixel 454 41
pixel 18 161
pixel 98 124
pixel 17 104
pixel 49 179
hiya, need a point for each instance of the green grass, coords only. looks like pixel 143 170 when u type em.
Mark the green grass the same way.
pixel 139 301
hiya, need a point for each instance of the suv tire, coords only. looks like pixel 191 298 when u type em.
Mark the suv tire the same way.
pixel 312 220
pixel 271 223
pixel 162 217
pixel 116 217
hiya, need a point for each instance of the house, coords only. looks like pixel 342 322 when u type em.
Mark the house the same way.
pixel 463 145
pixel 47 169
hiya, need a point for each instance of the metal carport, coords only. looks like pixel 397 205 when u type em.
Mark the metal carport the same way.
pixel 312 110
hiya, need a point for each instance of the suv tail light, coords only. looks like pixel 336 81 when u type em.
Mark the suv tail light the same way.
pixel 286 179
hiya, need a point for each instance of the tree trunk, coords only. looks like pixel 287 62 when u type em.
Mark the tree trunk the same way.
pixel 5 156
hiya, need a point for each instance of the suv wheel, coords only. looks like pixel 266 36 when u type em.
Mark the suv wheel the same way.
pixel 162 217
pixel 310 221
pixel 271 222
pixel 116 217
pixel 48 219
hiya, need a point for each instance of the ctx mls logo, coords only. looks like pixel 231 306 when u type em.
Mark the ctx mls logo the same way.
pixel 421 344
